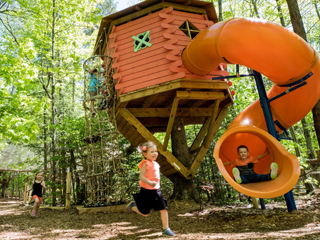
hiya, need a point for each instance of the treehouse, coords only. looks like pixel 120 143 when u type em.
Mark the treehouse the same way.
pixel 153 87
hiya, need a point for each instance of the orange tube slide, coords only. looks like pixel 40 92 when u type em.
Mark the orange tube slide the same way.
pixel 284 58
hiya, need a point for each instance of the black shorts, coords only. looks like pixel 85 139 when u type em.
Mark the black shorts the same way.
pixel 150 199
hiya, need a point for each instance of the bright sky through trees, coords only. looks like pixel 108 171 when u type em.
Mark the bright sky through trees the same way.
pixel 122 4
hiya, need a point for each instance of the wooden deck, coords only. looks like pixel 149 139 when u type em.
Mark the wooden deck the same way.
pixel 142 113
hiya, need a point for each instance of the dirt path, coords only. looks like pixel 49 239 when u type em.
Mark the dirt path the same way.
pixel 215 222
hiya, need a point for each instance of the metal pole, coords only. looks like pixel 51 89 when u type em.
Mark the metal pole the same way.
pixel 265 105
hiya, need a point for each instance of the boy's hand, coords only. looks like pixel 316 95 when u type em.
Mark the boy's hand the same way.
pixel 267 151
pixel 263 155
pixel 152 183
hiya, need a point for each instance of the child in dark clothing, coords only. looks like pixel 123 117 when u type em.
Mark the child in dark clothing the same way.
pixel 37 186
pixel 94 88
pixel 243 167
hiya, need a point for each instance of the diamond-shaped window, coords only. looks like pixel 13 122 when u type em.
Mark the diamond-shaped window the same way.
pixel 189 29
pixel 142 41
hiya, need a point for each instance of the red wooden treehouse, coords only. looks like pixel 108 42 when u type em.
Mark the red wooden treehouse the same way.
pixel 153 87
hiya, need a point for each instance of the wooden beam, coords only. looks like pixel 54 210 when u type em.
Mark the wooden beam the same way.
pixel 158 122
pixel 199 138
pixel 223 99
pixel 168 104
pixel 197 95
pixel 185 8
pixel 210 136
pixel 165 112
pixel 167 86
pixel 194 151
pixel 175 163
pixel 313 161
pixel 149 100
pixel 203 84
pixel 145 92
pixel 157 129
pixel 197 104
pixel 187 2
pixel 9 170
pixel 170 123
pixel 198 159
pixel 25 193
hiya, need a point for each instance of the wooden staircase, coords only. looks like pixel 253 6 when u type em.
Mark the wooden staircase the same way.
pixel 142 113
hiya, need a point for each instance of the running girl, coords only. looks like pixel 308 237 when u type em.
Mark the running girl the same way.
pixel 150 196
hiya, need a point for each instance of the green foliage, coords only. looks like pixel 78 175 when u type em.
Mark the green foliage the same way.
pixel 27 66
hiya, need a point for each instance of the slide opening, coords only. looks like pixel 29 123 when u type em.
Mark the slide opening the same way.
pixel 257 141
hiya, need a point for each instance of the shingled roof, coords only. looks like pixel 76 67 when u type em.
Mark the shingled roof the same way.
pixel 145 8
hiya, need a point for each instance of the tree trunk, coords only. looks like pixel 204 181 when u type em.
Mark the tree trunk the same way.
pixel 45 145
pixel 298 28
pixel 220 10
pixel 280 13
pixel 53 109
pixel 307 185
pixel 316 120
pixel 316 7
pixel 73 164
pixel 296 19
pixel 316 109
pixel 294 139
pixel 254 4
pixel 307 136
pixel 183 189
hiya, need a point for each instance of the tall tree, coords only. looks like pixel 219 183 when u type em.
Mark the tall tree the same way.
pixel 298 28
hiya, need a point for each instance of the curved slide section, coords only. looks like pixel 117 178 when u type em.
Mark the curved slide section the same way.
pixel 284 58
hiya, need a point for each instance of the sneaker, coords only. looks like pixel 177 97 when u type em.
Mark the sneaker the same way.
pixel 236 174
pixel 129 206
pixel 274 170
pixel 36 215
pixel 33 214
pixel 167 232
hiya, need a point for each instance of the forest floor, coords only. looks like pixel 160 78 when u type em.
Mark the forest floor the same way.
pixel 186 220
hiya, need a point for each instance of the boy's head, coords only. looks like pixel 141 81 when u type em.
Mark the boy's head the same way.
pixel 95 72
pixel 243 152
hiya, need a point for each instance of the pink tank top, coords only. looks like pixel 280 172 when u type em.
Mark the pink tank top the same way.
pixel 152 174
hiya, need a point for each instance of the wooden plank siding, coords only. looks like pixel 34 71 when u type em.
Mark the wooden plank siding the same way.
pixel 159 63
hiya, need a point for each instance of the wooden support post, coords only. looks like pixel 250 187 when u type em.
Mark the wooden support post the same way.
pixel 25 193
pixel 17 187
pixel 170 123
pixel 12 186
pixel 201 135
pixel 68 190
pixel 211 133
pixel 177 165
pixel 29 196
